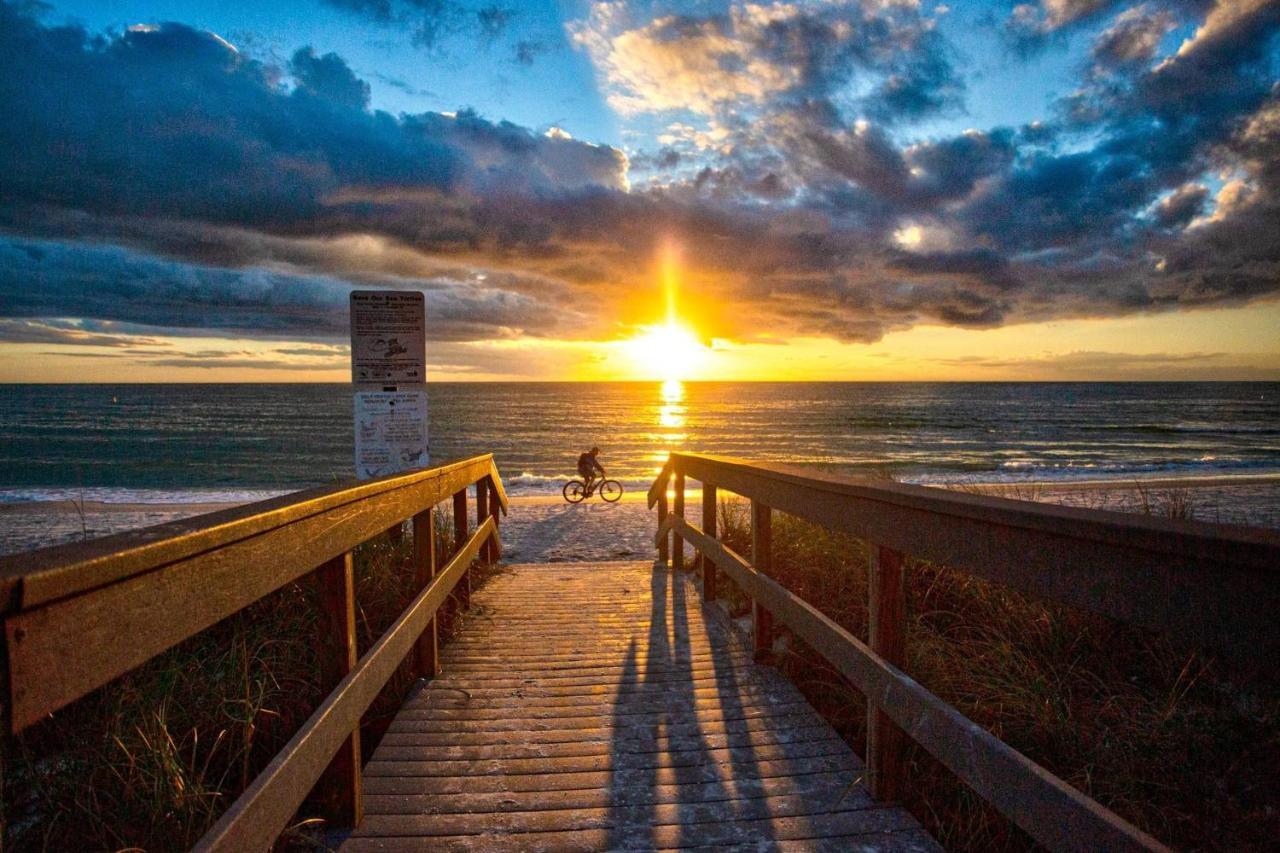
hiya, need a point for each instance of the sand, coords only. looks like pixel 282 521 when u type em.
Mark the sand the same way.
pixel 543 528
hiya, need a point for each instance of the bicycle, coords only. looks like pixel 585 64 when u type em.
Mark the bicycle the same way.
pixel 576 491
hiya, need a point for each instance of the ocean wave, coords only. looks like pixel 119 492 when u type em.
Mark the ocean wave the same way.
pixel 112 495
pixel 529 483
pixel 1030 470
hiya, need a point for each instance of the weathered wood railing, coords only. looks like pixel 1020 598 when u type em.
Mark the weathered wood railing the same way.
pixel 1213 585
pixel 78 616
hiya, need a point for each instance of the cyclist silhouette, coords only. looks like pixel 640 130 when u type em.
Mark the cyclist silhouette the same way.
pixel 588 466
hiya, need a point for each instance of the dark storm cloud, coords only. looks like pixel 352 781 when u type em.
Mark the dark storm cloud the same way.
pixel 231 197
pixel 1134 37
pixel 328 77
pixel 1030 26
pixel 429 22
pixel 71 332
pixel 116 285
pixel 1181 206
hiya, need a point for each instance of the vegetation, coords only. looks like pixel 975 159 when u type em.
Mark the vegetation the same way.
pixel 1170 738
pixel 150 761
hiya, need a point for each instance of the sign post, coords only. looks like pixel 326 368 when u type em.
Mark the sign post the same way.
pixel 389 370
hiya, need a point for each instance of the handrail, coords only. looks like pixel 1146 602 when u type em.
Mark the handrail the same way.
pixel 1153 572
pixel 1050 810
pixel 1216 585
pixel 79 616
pixel 37 577
pixel 263 810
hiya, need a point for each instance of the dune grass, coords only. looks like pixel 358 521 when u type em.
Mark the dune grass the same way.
pixel 1174 740
pixel 151 760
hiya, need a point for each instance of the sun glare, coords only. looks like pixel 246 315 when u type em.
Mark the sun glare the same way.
pixel 667 352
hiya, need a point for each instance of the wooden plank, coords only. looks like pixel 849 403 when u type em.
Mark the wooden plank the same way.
pixel 338 790
pixel 624 780
pixel 426 652
pixel 663 539
pixel 762 559
pixel 482 512
pixel 643 741
pixel 62 650
pixel 430 732
pixel 724 811
pixel 877 824
pixel 406 763
pixel 677 544
pixel 709 591
pixel 256 819
pixel 64 570
pixel 1047 808
pixel 658 490
pixel 459 537
pixel 825 787
pixel 887 608
pixel 495 484
pixel 493 551
pixel 1209 584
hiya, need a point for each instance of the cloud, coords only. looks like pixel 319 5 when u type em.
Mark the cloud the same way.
pixel 755 54
pixel 1092 364
pixel 40 279
pixel 431 22
pixel 329 78
pixel 77 332
pixel 252 208
pixel 1030 25
pixel 1133 37
pixel 1182 205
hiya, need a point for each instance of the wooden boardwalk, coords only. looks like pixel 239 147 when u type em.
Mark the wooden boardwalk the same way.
pixel 598 706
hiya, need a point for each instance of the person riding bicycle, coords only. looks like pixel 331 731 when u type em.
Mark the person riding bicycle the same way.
pixel 588 465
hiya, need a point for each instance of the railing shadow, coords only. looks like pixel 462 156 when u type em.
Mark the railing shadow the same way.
pixel 664 768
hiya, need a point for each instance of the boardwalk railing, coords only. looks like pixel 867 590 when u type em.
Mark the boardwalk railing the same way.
pixel 78 616
pixel 1213 585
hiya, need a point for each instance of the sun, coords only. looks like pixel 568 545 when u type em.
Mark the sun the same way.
pixel 668 352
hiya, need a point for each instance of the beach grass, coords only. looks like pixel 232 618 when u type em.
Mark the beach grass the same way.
pixel 150 761
pixel 1180 743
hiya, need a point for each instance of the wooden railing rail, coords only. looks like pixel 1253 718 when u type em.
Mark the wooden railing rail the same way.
pixel 263 810
pixel 1150 572
pixel 78 616
pixel 1216 586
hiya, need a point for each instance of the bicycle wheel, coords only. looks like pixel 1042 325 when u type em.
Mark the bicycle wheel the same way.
pixel 611 490
pixel 573 491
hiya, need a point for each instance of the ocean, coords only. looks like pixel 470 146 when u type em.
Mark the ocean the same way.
pixel 207 443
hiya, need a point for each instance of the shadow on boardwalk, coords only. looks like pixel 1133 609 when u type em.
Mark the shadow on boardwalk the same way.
pixel 664 770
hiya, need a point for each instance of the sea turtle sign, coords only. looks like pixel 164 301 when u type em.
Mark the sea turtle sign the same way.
pixel 388 337
pixel 391 431
pixel 389 370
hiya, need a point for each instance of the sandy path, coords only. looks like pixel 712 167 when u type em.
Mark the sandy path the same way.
pixel 543 528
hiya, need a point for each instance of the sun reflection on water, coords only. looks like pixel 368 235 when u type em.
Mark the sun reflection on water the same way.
pixel 671 412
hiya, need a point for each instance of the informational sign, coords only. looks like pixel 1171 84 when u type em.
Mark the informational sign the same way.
pixel 391 431
pixel 388 337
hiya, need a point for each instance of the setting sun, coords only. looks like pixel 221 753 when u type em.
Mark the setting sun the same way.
pixel 669 351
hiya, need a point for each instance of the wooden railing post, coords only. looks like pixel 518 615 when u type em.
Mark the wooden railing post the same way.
pixel 709 528
pixel 492 549
pixel 460 539
pixel 338 790
pixel 677 541
pixel 762 559
pixel 426 662
pixel 887 609
pixel 664 544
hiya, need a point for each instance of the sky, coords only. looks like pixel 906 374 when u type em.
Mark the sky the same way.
pixel 820 189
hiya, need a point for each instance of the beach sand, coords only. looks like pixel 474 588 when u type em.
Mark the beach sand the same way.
pixel 543 528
